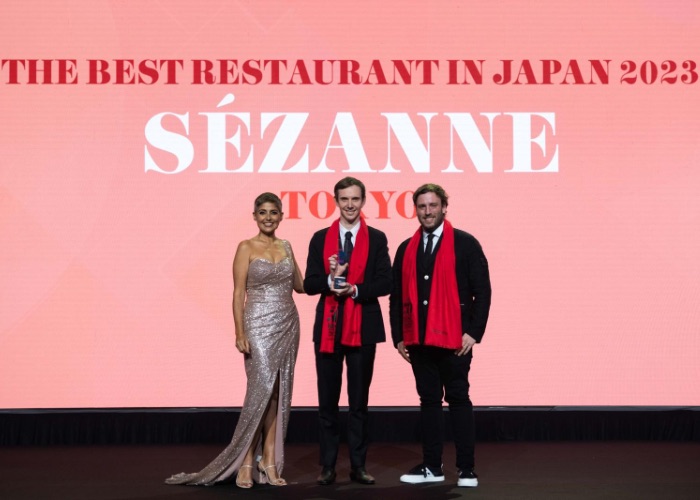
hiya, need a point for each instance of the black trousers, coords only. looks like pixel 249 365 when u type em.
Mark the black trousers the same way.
pixel 329 374
pixel 441 372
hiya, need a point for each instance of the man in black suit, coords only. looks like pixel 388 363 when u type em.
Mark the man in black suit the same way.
pixel 438 308
pixel 349 265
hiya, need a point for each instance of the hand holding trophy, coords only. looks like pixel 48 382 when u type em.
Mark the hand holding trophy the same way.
pixel 339 279
pixel 338 267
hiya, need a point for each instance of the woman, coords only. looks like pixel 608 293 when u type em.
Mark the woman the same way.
pixel 267 333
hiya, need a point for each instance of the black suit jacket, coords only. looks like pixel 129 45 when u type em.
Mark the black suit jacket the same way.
pixel 473 283
pixel 377 283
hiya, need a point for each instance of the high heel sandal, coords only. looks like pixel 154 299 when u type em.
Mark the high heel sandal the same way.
pixel 274 482
pixel 244 484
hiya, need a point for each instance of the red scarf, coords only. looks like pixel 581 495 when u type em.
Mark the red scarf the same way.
pixel 352 312
pixel 444 323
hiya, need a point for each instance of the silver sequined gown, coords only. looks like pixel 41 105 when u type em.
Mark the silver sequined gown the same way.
pixel 272 325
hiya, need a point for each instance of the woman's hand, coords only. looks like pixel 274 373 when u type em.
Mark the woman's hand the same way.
pixel 242 344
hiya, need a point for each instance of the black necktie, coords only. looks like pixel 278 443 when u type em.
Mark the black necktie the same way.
pixel 347 247
pixel 428 249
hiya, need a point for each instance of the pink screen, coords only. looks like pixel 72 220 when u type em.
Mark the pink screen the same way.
pixel 135 136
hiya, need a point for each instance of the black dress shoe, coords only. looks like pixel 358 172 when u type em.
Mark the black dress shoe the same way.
pixel 326 477
pixel 360 475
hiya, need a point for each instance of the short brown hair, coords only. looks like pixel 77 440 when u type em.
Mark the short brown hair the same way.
pixel 267 198
pixel 430 188
pixel 347 182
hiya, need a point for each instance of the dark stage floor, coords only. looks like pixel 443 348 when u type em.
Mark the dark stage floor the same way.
pixel 615 470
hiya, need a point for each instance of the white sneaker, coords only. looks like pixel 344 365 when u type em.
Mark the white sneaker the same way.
pixel 423 474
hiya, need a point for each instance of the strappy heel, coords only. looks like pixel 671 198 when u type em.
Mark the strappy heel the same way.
pixel 274 482
pixel 244 484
